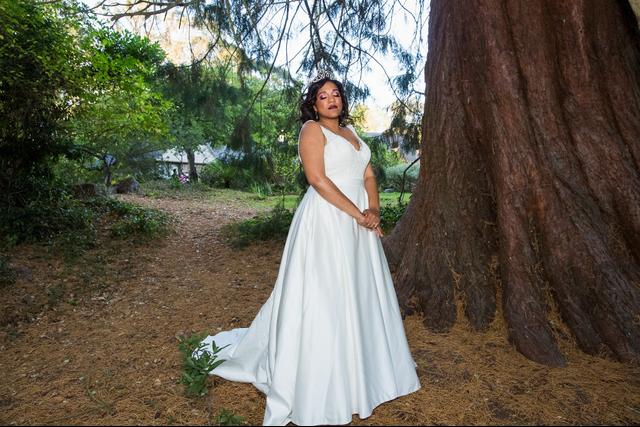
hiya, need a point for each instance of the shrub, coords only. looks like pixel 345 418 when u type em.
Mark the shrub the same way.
pixel 390 215
pixel 273 225
pixel 7 275
pixel 44 218
pixel 217 174
pixel 137 221
pixel 393 177
pixel 70 225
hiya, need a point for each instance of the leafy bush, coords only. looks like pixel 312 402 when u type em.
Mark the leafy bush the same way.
pixel 273 225
pixel 137 221
pixel 217 174
pixel 44 218
pixel 40 78
pixel 390 215
pixel 70 225
pixel 393 177
pixel 381 156
pixel 262 191
pixel 7 275
pixel 263 171
pixel 197 363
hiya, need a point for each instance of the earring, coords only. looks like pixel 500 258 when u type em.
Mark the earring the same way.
pixel 317 117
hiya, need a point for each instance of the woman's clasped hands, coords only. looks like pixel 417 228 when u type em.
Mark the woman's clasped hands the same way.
pixel 370 218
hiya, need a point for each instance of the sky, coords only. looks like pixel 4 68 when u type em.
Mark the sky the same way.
pixel 402 28
pixel 177 41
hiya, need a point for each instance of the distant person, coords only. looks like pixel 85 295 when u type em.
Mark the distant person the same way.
pixel 329 342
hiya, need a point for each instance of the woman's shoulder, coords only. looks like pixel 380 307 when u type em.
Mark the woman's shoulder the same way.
pixel 310 127
pixel 311 130
pixel 310 124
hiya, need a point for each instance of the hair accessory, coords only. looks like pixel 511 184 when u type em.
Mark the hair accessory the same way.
pixel 322 74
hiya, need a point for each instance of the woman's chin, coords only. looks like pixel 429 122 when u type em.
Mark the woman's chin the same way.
pixel 332 114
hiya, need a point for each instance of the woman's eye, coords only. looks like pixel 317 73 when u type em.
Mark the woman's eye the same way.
pixel 337 94
pixel 322 97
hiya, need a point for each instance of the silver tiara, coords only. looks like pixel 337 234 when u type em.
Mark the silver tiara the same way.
pixel 322 74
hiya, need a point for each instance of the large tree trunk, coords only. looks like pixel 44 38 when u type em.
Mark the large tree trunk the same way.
pixel 529 186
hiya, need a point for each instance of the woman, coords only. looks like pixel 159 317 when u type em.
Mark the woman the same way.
pixel 329 342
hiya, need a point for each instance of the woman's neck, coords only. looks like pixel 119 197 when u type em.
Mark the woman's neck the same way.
pixel 331 124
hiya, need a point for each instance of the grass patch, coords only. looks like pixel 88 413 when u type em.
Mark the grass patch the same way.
pixel 391 198
pixel 246 199
pixel 171 188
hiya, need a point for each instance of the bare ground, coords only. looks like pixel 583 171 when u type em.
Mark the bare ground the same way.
pixel 95 342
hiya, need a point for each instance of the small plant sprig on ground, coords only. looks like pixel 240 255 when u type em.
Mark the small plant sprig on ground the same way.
pixel 228 418
pixel 197 363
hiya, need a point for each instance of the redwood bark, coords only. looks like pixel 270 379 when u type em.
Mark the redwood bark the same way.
pixel 531 157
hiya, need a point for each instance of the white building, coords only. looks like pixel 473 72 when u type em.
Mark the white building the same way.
pixel 177 160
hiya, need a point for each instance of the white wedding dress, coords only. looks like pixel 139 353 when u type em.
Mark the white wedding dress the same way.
pixel 329 342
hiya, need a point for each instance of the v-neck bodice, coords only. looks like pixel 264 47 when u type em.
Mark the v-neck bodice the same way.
pixel 346 139
pixel 342 161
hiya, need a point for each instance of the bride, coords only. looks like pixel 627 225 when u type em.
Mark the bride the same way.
pixel 329 342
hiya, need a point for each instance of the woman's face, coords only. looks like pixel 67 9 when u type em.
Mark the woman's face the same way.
pixel 328 101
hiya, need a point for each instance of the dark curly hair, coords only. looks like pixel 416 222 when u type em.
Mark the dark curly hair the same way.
pixel 309 99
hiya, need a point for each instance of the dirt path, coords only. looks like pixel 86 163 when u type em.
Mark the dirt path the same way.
pixel 110 356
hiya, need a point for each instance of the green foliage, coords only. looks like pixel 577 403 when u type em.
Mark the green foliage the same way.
pixel 259 124
pixel 406 122
pixel 357 115
pixel 135 221
pixel 221 174
pixel 272 225
pixel 390 215
pixel 228 418
pixel 173 188
pixel 197 363
pixel 40 81
pixel 43 218
pixel 54 294
pixel 7 274
pixel 381 158
pixel 70 226
pixel 71 94
pixel 359 31
pixel 125 116
pixel 393 177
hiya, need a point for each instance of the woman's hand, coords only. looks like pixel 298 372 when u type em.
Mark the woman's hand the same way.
pixel 370 218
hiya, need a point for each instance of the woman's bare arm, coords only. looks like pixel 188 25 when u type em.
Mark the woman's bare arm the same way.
pixel 311 147
pixel 372 220
pixel 372 188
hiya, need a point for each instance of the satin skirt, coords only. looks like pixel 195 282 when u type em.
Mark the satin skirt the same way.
pixel 329 342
